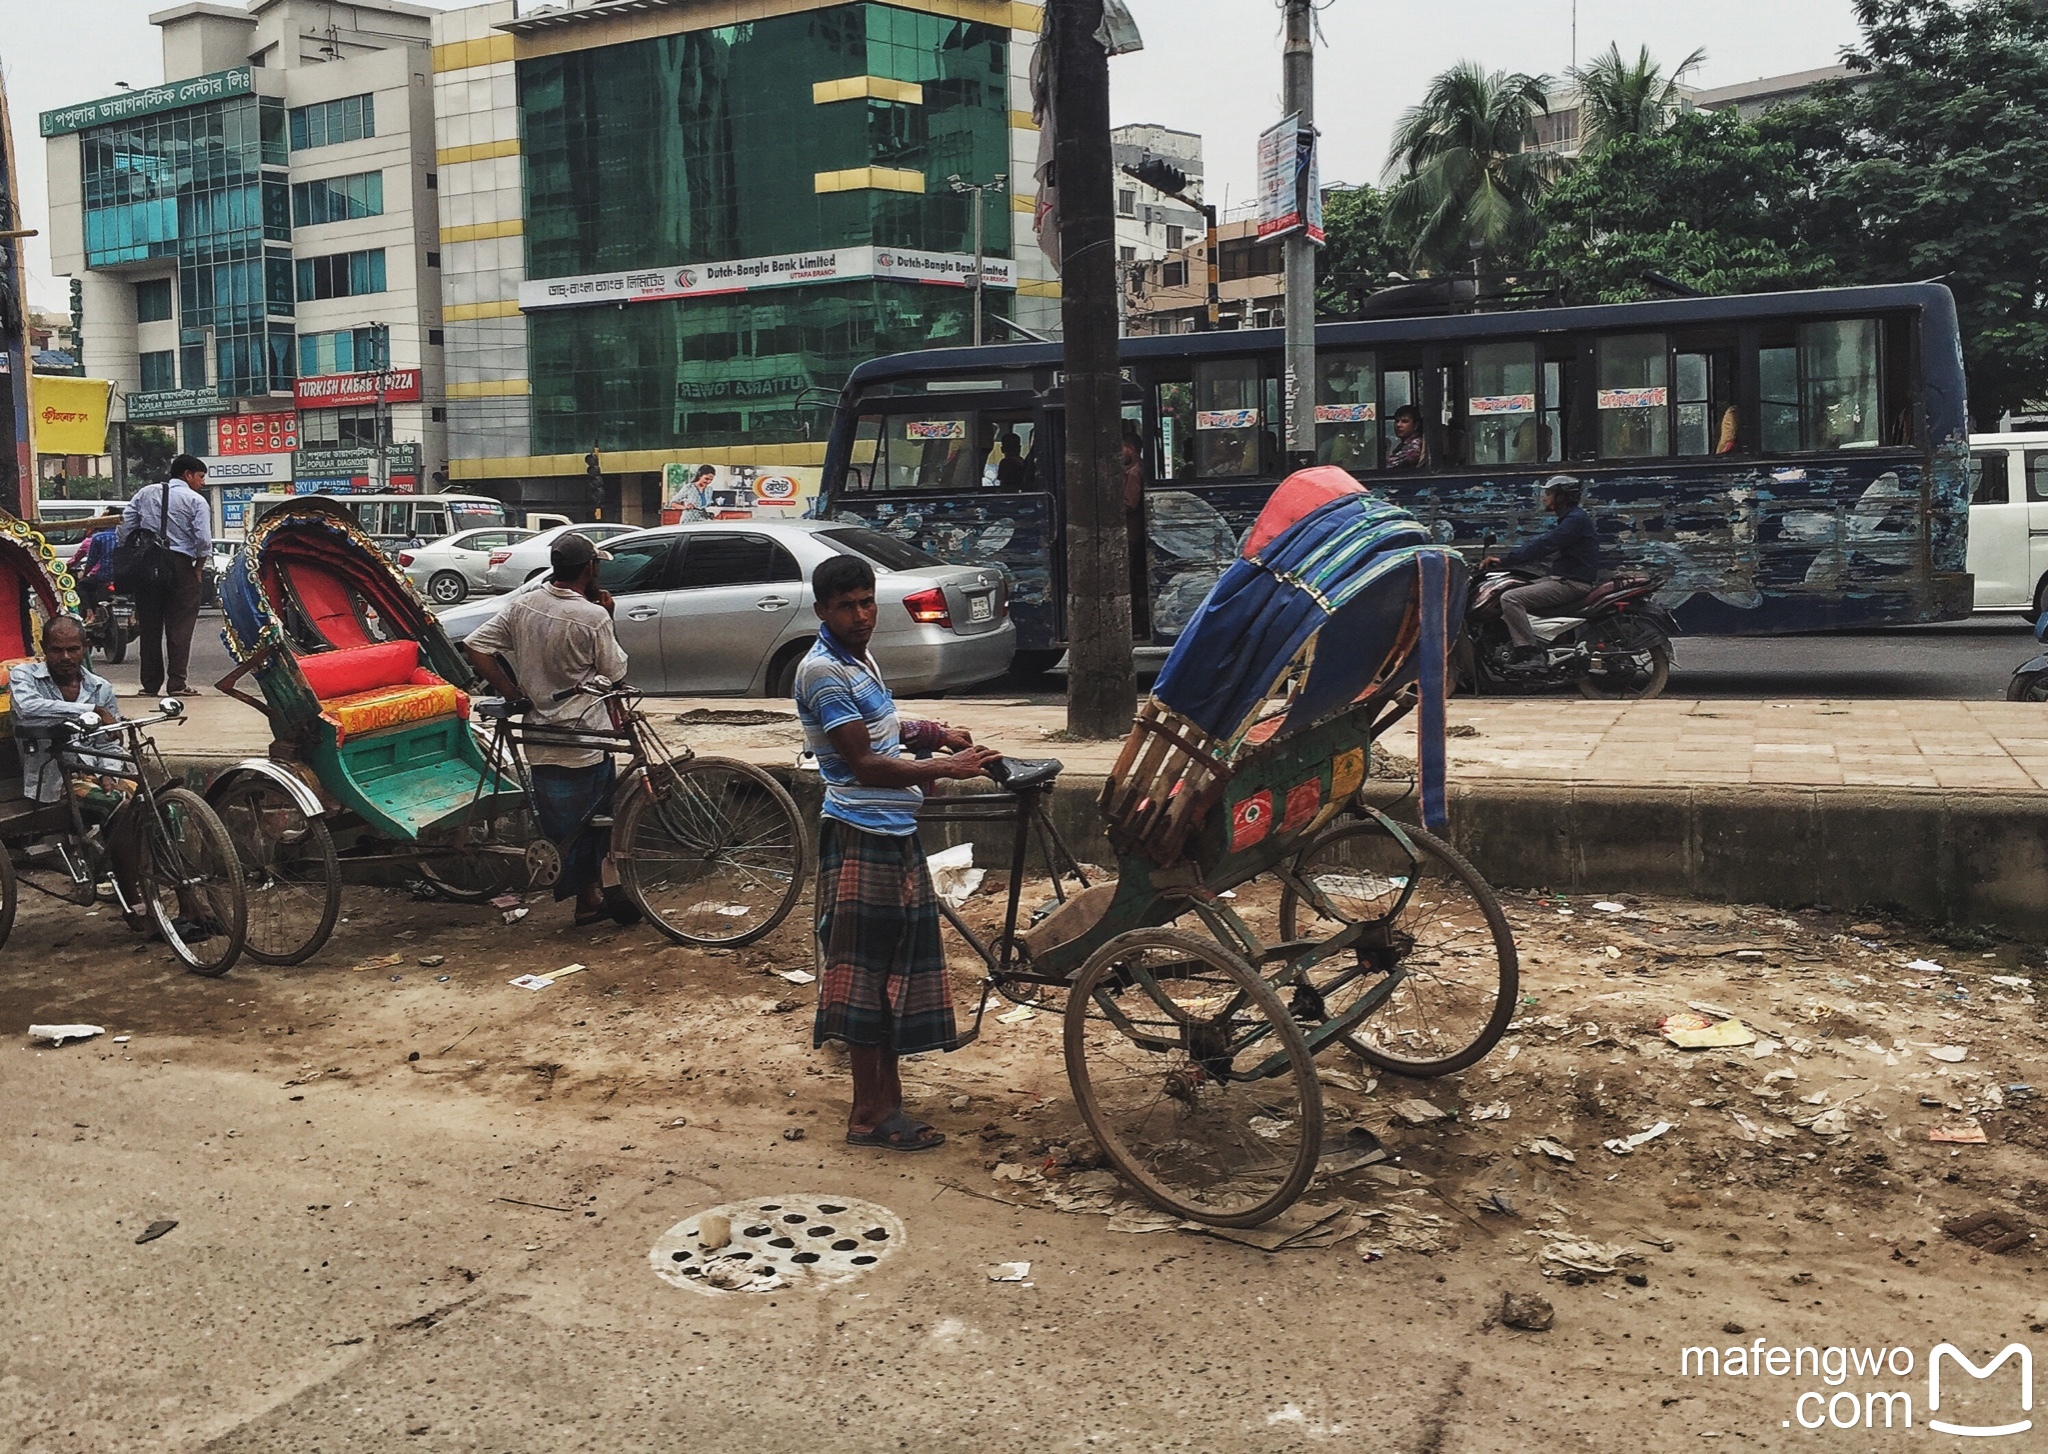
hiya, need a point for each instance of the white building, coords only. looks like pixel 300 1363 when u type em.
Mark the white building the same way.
pixel 1150 226
pixel 258 243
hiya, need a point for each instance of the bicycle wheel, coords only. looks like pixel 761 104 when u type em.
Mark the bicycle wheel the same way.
pixel 192 884
pixel 1450 939
pixel 1193 1077
pixel 474 878
pixel 290 873
pixel 8 892
pixel 716 858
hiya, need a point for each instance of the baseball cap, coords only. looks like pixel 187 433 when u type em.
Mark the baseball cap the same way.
pixel 571 552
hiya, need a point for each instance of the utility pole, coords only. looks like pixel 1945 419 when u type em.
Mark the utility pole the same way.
pixel 383 425
pixel 997 184
pixel 18 476
pixel 1101 683
pixel 1300 249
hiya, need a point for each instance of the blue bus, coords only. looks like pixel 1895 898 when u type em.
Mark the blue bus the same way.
pixel 1786 462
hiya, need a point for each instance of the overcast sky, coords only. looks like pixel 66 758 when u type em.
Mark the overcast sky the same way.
pixel 1209 66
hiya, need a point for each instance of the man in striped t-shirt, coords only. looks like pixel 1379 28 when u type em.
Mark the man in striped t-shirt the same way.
pixel 883 991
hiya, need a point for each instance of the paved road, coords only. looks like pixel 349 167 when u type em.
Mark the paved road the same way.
pixel 1967 660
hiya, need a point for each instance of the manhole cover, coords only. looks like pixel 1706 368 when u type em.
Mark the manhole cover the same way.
pixel 729 717
pixel 778 1242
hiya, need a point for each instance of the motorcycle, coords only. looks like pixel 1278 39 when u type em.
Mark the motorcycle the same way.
pixel 109 626
pixel 2030 679
pixel 1615 645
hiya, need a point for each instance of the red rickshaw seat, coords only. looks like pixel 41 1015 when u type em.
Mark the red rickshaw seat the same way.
pixel 324 601
pixel 372 688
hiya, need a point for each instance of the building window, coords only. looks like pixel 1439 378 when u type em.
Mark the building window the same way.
pixel 1174 274
pixel 433 259
pixel 433 182
pixel 349 119
pixel 1128 256
pixel 338 199
pixel 346 351
pixel 341 274
pixel 339 428
pixel 159 371
pixel 198 436
pixel 438 414
pixel 153 302
pixel 1176 238
pixel 1126 202
pixel 435 337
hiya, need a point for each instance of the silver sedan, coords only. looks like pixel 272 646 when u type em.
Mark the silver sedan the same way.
pixel 526 559
pixel 448 569
pixel 723 608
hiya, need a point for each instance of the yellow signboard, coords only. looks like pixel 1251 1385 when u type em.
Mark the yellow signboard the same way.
pixel 67 415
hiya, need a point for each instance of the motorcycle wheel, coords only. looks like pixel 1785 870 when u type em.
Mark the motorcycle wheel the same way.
pixel 2027 688
pixel 1628 672
pixel 117 643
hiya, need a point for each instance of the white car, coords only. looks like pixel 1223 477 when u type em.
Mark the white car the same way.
pixel 448 569
pixel 514 565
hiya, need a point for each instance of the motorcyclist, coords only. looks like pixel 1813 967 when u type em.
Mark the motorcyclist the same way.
pixel 1575 543
pixel 92 567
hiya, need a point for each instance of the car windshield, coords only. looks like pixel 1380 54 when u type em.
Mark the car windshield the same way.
pixel 885 551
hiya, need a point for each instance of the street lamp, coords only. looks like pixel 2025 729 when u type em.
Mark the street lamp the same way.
pixel 998 184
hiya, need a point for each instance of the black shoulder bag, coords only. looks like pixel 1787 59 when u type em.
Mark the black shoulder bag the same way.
pixel 142 563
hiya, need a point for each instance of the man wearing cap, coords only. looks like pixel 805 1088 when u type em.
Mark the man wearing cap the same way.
pixel 558 637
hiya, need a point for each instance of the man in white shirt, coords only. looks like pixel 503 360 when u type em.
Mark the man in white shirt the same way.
pixel 181 518
pixel 559 637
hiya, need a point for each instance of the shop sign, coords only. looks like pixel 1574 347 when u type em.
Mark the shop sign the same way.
pixel 343 391
pixel 247 469
pixel 151 99
pixel 275 433
pixel 743 275
pixel 402 457
pixel 173 404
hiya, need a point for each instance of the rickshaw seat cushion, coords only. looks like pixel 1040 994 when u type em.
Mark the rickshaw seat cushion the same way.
pixel 324 599
pixel 373 688
pixel 334 674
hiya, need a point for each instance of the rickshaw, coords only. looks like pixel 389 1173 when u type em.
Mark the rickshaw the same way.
pixel 1190 1040
pixel 380 748
pixel 189 882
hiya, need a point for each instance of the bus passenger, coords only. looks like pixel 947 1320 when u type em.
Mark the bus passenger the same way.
pixel 1411 450
pixel 1012 473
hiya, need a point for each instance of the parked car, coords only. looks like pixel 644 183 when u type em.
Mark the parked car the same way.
pixel 215 566
pixel 723 608
pixel 514 565
pixel 2008 552
pixel 448 569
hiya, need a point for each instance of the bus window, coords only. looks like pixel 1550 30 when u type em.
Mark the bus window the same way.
pixel 1502 422
pixel 1560 377
pixel 1011 460
pixel 1347 408
pixel 429 522
pixel 1838 368
pixel 2037 476
pixel 1777 370
pixel 1400 388
pixel 937 452
pixel 1988 482
pixel 1235 424
pixel 1175 402
pixel 1704 382
pixel 1634 396
pixel 866 457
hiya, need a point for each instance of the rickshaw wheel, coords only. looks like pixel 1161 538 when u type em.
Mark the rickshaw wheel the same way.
pixel 712 851
pixel 1450 937
pixel 290 872
pixel 474 878
pixel 192 884
pixel 8 892
pixel 1163 1032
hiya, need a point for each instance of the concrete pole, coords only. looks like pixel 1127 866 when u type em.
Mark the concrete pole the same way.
pixel 1101 685
pixel 18 475
pixel 1300 379
pixel 979 282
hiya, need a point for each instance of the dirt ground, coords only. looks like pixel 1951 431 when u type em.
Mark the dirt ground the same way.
pixel 415 1206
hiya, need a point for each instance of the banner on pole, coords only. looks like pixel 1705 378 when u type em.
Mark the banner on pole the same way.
pixel 1290 187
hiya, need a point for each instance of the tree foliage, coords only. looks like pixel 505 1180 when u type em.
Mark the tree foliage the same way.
pixel 1707 201
pixel 1466 179
pixel 1934 164
pixel 1356 255
pixel 1620 98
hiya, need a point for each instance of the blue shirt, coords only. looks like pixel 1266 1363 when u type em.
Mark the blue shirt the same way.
pixel 39 708
pixel 835 687
pixel 1573 540
pixel 189 530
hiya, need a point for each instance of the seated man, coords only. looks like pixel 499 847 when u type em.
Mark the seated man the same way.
pixel 1410 450
pixel 1575 542
pixel 58 692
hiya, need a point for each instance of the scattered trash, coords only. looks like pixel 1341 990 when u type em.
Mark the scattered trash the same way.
pixel 513 916
pixel 1017 1016
pixel 382 961
pixel 153 1231
pixel 796 976
pixel 505 901
pixel 1608 907
pixel 1498 1111
pixel 1527 1312
pixel 1354 1148
pixel 959 1103
pixel 1830 1123
pixel 1952 1054
pixel 1959 1136
pixel 1990 1231
pixel 1342 1081
pixel 954 876
pixel 1009 1272
pixel 1303 1225
pixel 1693 1031
pixel 432 961
pixel 58 1034
pixel 1418 1112
pixel 2013 981
pixel 1624 1145
pixel 1925 966
pixel 792 1133
pixel 542 981
pixel 120 1039
pixel 1569 1252
pixel 1495 1201
pixel 1551 1149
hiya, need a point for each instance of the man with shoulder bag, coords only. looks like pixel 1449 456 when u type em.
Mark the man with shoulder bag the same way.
pixel 166 536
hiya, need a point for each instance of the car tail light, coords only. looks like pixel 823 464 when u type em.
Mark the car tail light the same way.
pixel 929 607
pixel 499 557
pixel 405 557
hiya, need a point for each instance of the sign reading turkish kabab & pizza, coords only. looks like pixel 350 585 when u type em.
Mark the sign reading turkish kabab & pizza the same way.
pixel 343 391
pixel 275 433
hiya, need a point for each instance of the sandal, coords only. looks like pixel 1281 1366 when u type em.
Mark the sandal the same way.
pixel 898 1133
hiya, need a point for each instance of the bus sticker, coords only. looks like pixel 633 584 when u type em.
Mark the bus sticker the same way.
pixel 1227 419
pixel 935 429
pixel 1346 413
pixel 1503 404
pixel 1633 398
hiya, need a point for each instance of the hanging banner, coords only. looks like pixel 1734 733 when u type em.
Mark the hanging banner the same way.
pixel 1290 185
pixel 745 275
pixel 68 415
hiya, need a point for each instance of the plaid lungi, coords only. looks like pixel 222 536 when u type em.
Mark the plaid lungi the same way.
pixel 884 982
pixel 562 798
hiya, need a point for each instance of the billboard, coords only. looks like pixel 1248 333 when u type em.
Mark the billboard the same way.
pixel 68 415
pixel 343 391
pixel 737 492
pixel 275 433
pixel 744 275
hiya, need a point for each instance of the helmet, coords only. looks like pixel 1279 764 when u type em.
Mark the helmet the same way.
pixel 1566 487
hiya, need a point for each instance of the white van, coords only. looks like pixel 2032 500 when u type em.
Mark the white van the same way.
pixel 2009 521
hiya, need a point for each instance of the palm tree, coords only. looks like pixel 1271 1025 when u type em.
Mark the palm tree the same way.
pixel 1463 170
pixel 1627 98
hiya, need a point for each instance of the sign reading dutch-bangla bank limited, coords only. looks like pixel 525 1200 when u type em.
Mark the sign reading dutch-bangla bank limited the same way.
pixel 343 391
pixel 710 280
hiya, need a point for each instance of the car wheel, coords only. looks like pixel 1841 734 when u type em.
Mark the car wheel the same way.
pixel 536 573
pixel 2033 614
pixel 782 675
pixel 447 587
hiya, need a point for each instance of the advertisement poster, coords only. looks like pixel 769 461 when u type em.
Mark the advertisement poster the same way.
pixel 275 433
pixel 737 492
pixel 1290 185
pixel 745 275
pixel 68 415
pixel 344 391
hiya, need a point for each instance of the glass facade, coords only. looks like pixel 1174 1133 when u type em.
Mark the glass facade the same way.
pixel 338 199
pixel 342 274
pixel 346 351
pixel 708 146
pixel 349 119
pixel 191 185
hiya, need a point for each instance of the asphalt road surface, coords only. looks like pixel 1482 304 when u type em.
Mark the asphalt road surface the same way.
pixel 1966 660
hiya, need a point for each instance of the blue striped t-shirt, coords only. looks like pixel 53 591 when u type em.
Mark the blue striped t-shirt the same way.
pixel 833 688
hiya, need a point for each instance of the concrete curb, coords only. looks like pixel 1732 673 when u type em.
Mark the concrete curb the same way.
pixel 1970 858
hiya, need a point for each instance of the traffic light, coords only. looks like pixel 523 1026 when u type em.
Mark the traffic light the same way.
pixel 1160 175
pixel 593 469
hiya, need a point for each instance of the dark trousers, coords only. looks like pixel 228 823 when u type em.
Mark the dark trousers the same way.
pixel 1552 593
pixel 168 618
